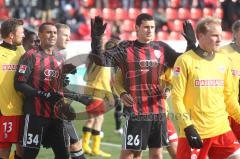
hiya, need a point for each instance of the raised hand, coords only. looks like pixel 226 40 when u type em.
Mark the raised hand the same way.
pixel 97 27
pixel 189 34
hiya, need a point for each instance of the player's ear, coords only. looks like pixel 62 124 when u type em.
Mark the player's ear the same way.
pixel 11 35
pixel 137 28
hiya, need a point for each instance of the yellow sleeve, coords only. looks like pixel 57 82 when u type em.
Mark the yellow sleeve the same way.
pixel 179 82
pixel 230 99
pixel 118 83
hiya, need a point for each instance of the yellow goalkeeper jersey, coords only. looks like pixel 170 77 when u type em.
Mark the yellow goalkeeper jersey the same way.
pixel 98 81
pixel 11 100
pixel 202 94
pixel 234 56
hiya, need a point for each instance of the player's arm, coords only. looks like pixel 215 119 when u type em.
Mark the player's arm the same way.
pixel 120 90
pixel 189 35
pixel 179 82
pixel 98 55
pixel 230 99
pixel 22 75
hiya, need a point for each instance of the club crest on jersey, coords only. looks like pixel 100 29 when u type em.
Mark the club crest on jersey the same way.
pixel 22 68
pixel 177 70
pixel 157 53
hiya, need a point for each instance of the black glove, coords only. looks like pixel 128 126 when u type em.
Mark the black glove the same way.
pixel 86 100
pixel 52 97
pixel 97 27
pixel 66 81
pixel 69 68
pixel 189 35
pixel 194 140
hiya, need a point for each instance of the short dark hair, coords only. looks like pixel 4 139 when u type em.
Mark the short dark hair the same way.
pixel 42 26
pixel 235 27
pixel 143 17
pixel 9 26
pixel 28 34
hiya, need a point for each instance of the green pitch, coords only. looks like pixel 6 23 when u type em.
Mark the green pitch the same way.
pixel 111 141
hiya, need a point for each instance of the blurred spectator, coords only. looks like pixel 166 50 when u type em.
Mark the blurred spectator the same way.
pixel 115 29
pixel 126 4
pixel 46 7
pixel 162 3
pixel 79 16
pixel 147 3
pixel 160 19
pixel 101 3
pixel 229 14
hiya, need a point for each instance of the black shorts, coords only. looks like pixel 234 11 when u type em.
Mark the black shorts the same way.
pixel 69 126
pixel 137 135
pixel 44 131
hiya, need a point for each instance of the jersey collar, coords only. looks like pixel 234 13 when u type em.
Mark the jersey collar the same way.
pixel 139 44
pixel 8 46
pixel 202 53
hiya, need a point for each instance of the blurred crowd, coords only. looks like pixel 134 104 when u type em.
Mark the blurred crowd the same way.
pixel 77 13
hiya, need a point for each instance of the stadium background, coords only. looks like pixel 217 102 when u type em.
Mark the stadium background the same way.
pixel 120 16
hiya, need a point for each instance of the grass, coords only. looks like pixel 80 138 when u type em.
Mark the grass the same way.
pixel 109 137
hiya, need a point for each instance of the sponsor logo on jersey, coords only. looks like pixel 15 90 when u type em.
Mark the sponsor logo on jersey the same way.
pixel 209 83
pixel 144 64
pixel 177 71
pixel 22 69
pixel 51 73
pixel 9 67
pixel 157 53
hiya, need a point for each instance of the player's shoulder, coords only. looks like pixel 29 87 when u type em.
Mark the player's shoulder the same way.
pixel 32 52
pixel 158 44
pixel 125 43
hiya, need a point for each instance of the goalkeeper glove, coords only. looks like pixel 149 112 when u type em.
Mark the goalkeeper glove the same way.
pixel 66 81
pixel 97 27
pixel 194 140
pixel 84 99
pixel 189 35
pixel 69 68
pixel 52 97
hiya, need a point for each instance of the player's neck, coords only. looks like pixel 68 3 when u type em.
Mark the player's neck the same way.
pixel 8 40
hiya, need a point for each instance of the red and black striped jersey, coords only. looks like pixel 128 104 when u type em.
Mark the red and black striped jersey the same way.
pixel 42 72
pixel 141 66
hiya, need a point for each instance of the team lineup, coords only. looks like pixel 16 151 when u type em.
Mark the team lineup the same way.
pixel 133 77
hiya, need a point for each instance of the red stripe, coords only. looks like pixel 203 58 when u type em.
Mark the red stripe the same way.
pixel 155 76
pixel 36 80
pixel 46 87
pixel 131 75
pixel 144 85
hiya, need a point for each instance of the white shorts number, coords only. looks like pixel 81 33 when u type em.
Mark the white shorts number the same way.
pixel 133 140
pixel 32 139
pixel 7 127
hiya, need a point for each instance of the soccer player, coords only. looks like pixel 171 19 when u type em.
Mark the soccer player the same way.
pixel 38 77
pixel 202 97
pixel 30 40
pixel 63 37
pixel 117 101
pixel 98 86
pixel 12 33
pixel 232 50
pixel 141 61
